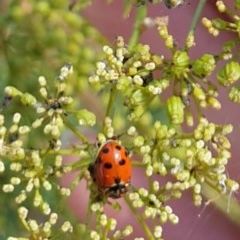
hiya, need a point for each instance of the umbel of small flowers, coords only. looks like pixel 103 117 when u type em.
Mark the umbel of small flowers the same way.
pixel 141 77
pixel 193 159
pixel 30 173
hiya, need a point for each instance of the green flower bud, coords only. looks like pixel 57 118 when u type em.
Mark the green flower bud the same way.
pixel 169 42
pixel 199 93
pixel 157 232
pixel 204 66
pixel 221 6
pixel 175 109
pixel 19 154
pixel 181 59
pixel 213 31
pixel 136 113
pixel 228 46
pixel 22 212
pixel 219 23
pixel 206 22
pixel 181 63
pixel 123 83
pixel 138 141
pixel 234 94
pixel 222 141
pixel 158 60
pixel 127 231
pixel 229 74
pixel 28 99
pixel 12 91
pixel 132 71
pixel 183 175
pixel 189 119
pixel 163 31
pixel 213 102
pixel 190 40
pixel 86 117
pixel 138 97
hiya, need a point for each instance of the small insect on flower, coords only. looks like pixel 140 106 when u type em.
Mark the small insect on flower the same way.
pixel 6 100
pixel 173 3
pixel 112 169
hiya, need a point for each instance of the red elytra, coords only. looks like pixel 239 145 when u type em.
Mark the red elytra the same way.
pixel 112 169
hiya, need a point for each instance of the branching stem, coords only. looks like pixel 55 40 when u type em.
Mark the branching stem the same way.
pixel 138 27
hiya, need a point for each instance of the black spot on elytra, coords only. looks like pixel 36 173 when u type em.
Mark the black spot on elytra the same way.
pixel 118 147
pixel 105 150
pixel 122 162
pixel 108 165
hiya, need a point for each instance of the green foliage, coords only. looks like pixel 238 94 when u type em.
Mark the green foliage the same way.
pixel 37 37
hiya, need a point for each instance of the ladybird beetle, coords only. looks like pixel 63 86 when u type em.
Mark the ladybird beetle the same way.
pixel 112 169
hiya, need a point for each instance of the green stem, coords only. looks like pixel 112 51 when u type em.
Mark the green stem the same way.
pixel 226 203
pixel 78 165
pixel 138 164
pixel 76 181
pixel 138 26
pixel 65 152
pixel 25 224
pixel 140 220
pixel 105 231
pixel 88 220
pixel 196 17
pixel 111 101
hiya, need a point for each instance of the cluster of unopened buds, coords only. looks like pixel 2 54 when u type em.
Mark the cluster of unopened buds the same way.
pixel 135 74
pixel 230 73
pixel 215 26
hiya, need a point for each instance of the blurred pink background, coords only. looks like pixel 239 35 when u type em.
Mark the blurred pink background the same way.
pixel 205 222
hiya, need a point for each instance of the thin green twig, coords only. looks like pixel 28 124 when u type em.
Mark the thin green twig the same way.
pixel 111 101
pixel 88 221
pixel 141 221
pixel 138 26
pixel 79 165
pixel 196 17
